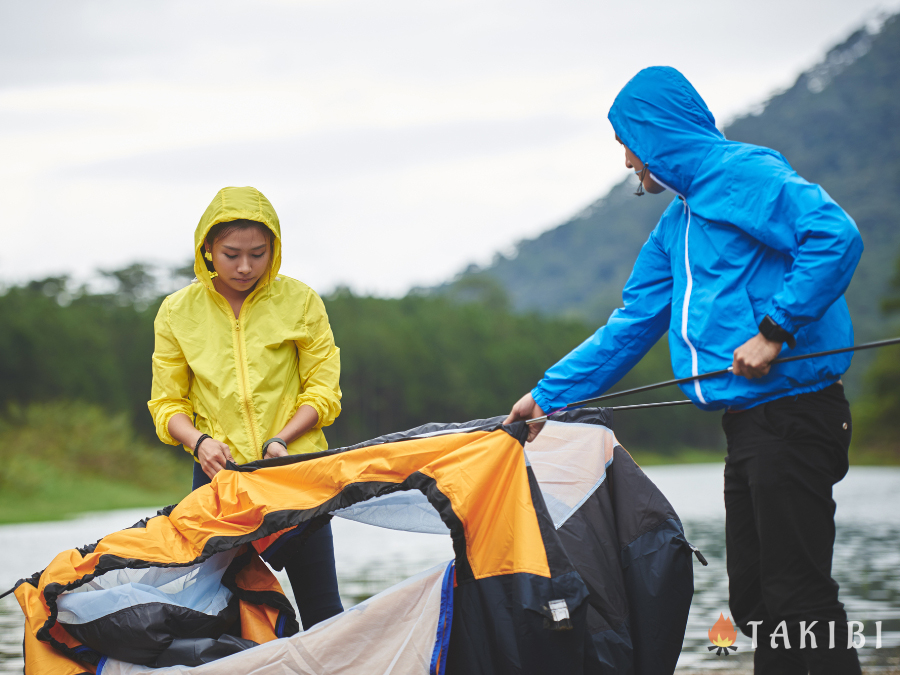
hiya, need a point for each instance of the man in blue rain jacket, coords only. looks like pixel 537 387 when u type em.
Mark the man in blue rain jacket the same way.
pixel 748 262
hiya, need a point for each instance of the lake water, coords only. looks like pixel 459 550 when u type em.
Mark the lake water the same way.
pixel 369 559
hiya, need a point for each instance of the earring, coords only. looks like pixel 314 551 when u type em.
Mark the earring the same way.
pixel 207 255
pixel 213 275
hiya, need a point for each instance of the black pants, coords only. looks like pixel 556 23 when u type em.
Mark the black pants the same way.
pixel 783 459
pixel 310 569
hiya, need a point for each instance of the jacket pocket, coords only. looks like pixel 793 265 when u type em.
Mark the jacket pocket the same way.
pixel 203 421
pixel 282 415
pixel 757 306
pixel 203 425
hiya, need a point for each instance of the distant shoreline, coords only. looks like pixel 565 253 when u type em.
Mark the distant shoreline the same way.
pixel 858 457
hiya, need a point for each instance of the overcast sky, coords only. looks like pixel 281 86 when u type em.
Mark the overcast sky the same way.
pixel 398 140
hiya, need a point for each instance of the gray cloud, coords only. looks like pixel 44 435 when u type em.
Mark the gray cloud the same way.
pixel 448 128
pixel 341 155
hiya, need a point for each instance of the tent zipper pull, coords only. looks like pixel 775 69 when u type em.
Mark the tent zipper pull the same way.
pixel 698 554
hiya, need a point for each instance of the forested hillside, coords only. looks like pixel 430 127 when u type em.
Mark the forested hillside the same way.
pixel 838 125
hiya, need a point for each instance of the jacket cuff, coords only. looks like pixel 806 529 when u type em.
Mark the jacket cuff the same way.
pixel 541 399
pixel 162 425
pixel 782 318
pixel 316 403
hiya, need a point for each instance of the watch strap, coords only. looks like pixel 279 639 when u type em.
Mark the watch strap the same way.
pixel 265 445
pixel 202 438
pixel 775 333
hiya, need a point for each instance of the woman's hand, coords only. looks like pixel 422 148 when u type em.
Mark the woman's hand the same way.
pixel 212 455
pixel 526 409
pixel 275 450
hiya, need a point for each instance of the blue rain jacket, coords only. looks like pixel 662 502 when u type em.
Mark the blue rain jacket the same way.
pixel 745 237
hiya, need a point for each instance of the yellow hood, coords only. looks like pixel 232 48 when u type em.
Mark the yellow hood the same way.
pixel 236 203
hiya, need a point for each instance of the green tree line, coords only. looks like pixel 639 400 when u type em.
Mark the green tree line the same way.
pixel 877 413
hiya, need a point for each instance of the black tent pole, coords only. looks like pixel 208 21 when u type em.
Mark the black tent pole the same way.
pixel 664 404
pixel 703 376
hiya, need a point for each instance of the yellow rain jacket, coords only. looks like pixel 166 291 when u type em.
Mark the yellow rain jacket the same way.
pixel 242 380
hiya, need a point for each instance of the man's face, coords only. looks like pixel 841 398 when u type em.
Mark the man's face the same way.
pixel 632 162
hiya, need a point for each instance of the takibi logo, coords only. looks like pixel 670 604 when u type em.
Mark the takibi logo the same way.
pixel 722 635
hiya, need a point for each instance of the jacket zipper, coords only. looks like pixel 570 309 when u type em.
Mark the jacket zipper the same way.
pixel 245 394
pixel 687 293
pixel 687 302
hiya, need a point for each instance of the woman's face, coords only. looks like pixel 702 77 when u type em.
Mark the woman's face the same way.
pixel 241 257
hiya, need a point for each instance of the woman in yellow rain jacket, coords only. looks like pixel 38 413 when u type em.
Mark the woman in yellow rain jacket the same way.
pixel 245 367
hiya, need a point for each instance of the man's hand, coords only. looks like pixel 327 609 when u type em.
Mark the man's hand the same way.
pixel 212 455
pixel 275 450
pixel 526 409
pixel 754 358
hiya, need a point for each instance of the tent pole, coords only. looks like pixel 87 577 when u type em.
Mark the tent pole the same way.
pixel 664 404
pixel 715 373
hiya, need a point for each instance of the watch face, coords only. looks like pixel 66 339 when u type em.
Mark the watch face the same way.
pixel 775 333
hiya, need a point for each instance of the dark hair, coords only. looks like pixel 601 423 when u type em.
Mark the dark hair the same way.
pixel 220 230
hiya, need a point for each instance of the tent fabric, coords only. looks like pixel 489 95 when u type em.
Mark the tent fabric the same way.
pixel 567 560
pixel 122 622
pixel 394 631
pixel 198 587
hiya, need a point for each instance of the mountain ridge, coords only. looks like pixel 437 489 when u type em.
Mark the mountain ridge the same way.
pixel 578 268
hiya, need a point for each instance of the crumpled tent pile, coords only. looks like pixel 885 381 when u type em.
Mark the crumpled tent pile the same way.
pixel 567 560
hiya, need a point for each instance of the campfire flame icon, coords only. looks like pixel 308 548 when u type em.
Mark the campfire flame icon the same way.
pixel 722 635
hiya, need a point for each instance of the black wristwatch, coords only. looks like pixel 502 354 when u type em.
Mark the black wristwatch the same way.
pixel 775 333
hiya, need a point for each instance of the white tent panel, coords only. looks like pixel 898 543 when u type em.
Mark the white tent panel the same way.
pixel 569 461
pixel 409 510
pixel 392 633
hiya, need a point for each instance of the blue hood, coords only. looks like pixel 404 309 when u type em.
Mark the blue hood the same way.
pixel 664 121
